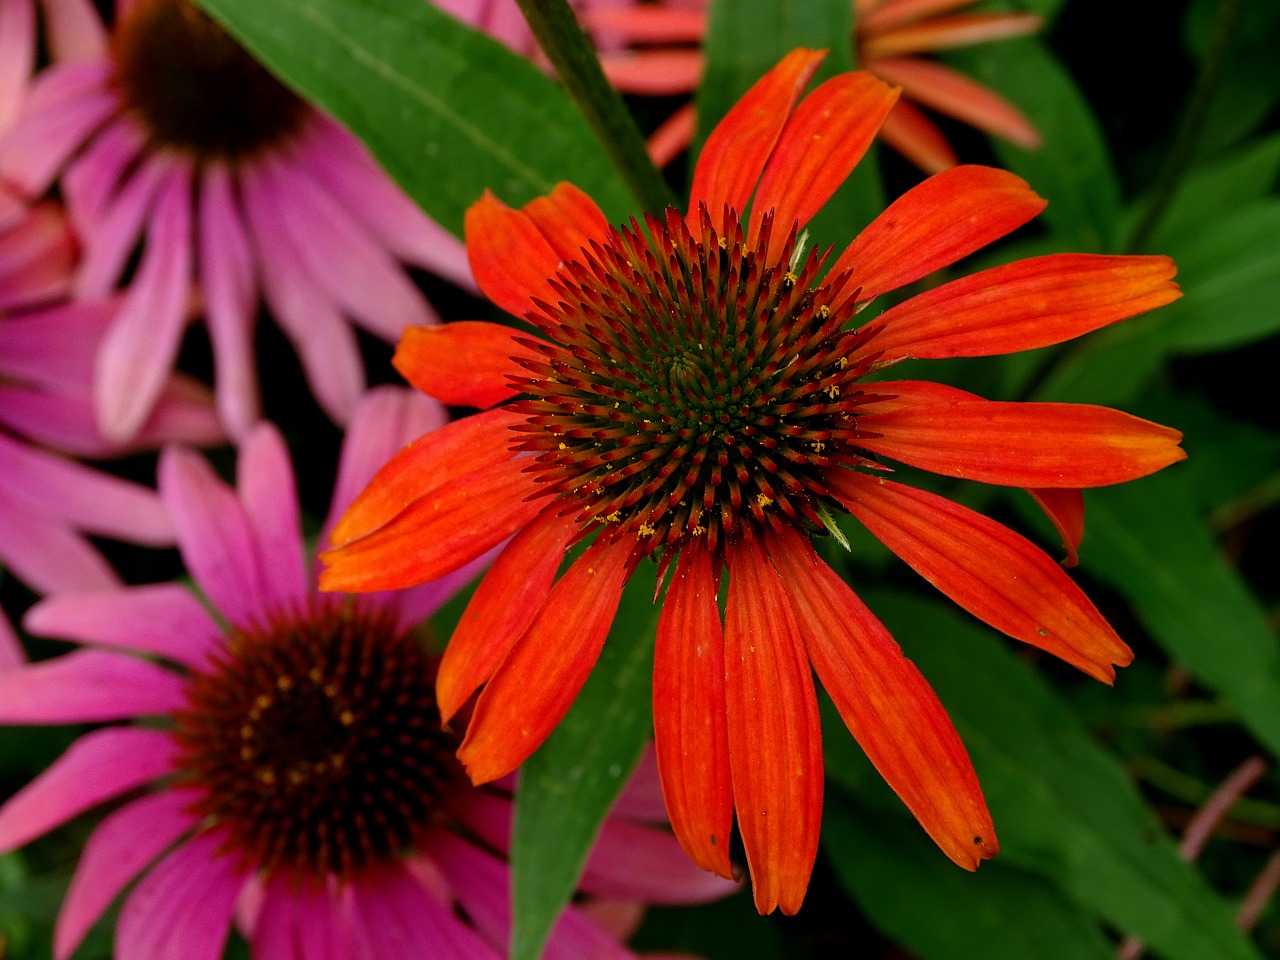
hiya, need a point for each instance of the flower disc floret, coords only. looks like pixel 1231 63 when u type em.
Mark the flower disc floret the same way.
pixel 693 387
pixel 194 88
pixel 316 742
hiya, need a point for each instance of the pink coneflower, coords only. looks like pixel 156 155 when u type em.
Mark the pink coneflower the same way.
pixel 172 138
pixel 295 771
pixel 48 503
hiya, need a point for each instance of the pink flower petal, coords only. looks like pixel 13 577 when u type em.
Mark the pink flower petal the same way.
pixel 401 919
pixel 112 240
pixel 11 654
pixel 641 798
pixel 45 554
pixel 37 256
pixel 267 488
pixel 54 347
pixel 181 910
pixel 97 767
pixel 17 55
pixel 340 165
pixel 638 862
pixel 344 262
pixel 214 535
pixel 183 414
pixel 164 619
pixel 74 30
pixel 324 341
pixel 301 921
pixel 116 852
pixel 83 497
pixel 63 107
pixel 138 351
pixel 53 419
pixel 228 283
pixel 92 180
pixel 87 686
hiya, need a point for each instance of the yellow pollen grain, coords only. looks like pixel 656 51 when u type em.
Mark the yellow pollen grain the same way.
pixel 346 718
pixel 330 690
pixel 832 391
pixel 246 732
pixel 263 702
pixel 762 500
pixel 790 279
pixel 284 683
pixel 614 517
pixel 314 674
pixel 823 312
pixel 724 244
pixel 842 362
pixel 564 446
pixel 647 530
pixel 818 446
pixel 246 753
pixel 699 530
pixel 267 776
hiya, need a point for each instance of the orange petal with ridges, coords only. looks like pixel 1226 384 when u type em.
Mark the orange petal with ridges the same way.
pixel 775 743
pixel 954 94
pixel 908 131
pixel 535 685
pixel 1024 305
pixel 999 576
pixel 735 153
pixel 946 33
pixel 933 225
pixel 887 705
pixel 690 722
pixel 568 220
pixel 465 363
pixel 654 73
pixel 510 258
pixel 820 145
pixel 1023 444
pixel 436 533
pixel 501 609
pixel 1065 509
pixel 434 460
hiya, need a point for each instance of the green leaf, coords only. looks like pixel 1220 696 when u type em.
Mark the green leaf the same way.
pixel 924 902
pixel 1063 807
pixel 1148 542
pixel 448 111
pixel 1072 169
pixel 568 786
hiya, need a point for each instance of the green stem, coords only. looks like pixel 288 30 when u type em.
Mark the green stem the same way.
pixel 1195 792
pixel 574 58
pixel 1183 151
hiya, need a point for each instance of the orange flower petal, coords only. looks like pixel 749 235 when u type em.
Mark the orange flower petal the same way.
pixel 735 153
pixel 1023 444
pixel 535 685
pixel 883 15
pixel 908 131
pixel 465 363
pixel 654 73
pixel 568 220
pixel 690 722
pixel 1024 305
pixel 946 33
pixel 1065 509
pixel 997 575
pixel 933 225
pixel 887 705
pixel 501 609
pixel 775 744
pixel 510 258
pixel 436 533
pixel 434 460
pixel 819 147
pixel 954 94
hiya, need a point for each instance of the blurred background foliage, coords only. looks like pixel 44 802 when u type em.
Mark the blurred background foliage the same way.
pixel 1161 134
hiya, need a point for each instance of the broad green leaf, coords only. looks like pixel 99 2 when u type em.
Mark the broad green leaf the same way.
pixel 448 111
pixel 1211 192
pixel 745 39
pixel 939 912
pixel 1063 807
pixel 568 786
pixel 1147 540
pixel 1072 169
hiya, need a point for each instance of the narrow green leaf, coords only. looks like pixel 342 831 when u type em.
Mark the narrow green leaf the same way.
pixel 939 912
pixel 1063 807
pixel 1072 169
pixel 568 786
pixel 1147 541
pixel 448 111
